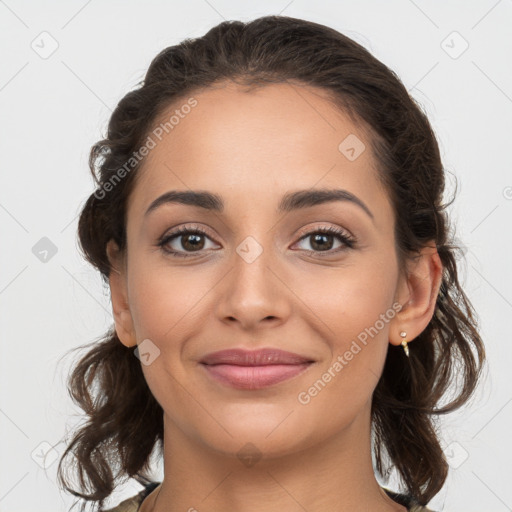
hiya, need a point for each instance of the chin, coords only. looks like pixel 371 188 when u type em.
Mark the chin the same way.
pixel 259 436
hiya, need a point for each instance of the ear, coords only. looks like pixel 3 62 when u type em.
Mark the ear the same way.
pixel 417 292
pixel 118 292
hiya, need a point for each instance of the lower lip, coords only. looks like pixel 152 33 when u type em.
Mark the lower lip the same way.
pixel 254 377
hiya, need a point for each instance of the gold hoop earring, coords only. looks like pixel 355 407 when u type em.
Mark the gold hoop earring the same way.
pixel 403 334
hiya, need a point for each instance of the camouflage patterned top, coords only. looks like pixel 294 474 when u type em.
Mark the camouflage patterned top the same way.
pixel 133 504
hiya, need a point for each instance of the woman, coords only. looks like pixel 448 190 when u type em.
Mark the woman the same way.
pixel 269 219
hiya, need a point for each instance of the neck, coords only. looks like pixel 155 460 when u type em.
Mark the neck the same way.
pixel 335 475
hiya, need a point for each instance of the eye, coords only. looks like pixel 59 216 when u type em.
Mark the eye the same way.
pixel 188 238
pixel 320 240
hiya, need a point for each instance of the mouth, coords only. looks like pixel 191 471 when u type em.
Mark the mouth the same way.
pixel 255 369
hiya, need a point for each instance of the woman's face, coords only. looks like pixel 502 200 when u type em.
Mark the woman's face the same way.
pixel 262 276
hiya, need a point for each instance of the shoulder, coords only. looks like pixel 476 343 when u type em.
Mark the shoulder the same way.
pixel 133 503
pixel 129 505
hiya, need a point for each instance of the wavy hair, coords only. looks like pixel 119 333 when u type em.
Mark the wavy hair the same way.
pixel 125 422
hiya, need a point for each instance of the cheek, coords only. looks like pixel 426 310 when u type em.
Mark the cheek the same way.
pixel 358 320
pixel 354 306
pixel 349 299
pixel 164 301
pixel 165 304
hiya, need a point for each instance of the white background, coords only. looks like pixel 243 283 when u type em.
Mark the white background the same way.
pixel 54 109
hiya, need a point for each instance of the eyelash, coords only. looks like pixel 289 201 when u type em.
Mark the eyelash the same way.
pixel 348 241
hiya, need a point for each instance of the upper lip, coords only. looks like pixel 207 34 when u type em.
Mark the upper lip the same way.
pixel 261 357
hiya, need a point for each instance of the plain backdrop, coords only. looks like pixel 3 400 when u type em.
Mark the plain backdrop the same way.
pixel 65 65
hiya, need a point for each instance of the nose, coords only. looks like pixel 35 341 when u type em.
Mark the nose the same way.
pixel 254 293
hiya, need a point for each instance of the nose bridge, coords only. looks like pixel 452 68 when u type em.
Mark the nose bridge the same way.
pixel 252 291
pixel 251 273
pixel 256 248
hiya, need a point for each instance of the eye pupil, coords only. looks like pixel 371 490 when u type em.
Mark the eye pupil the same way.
pixel 318 238
pixel 196 244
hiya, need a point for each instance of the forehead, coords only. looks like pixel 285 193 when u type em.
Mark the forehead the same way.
pixel 257 144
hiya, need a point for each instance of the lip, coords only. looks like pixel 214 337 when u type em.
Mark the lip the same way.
pixel 254 369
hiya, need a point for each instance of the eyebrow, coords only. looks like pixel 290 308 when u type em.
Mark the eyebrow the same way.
pixel 289 202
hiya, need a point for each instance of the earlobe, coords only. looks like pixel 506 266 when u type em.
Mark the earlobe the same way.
pixel 118 293
pixel 423 281
pixel 124 328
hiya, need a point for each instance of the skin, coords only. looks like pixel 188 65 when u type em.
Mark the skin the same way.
pixel 251 148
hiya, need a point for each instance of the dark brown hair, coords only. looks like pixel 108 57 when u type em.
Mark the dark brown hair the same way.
pixel 125 422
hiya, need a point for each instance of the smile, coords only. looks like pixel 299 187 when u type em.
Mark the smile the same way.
pixel 258 369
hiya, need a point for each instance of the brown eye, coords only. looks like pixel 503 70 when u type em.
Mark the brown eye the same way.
pixel 185 240
pixel 322 240
pixel 192 241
